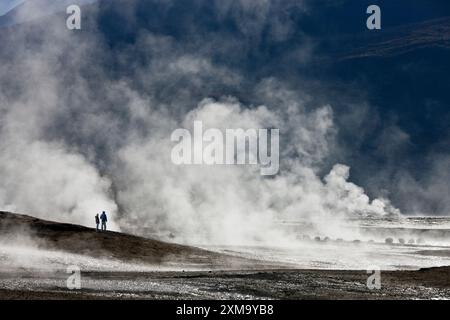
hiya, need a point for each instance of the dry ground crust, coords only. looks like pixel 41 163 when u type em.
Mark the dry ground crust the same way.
pixel 431 283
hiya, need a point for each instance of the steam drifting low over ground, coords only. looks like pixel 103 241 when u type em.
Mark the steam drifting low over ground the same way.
pixel 34 264
pixel 28 243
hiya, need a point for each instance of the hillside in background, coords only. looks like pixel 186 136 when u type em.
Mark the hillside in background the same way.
pixel 16 229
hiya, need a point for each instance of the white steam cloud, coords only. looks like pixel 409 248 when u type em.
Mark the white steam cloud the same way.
pixel 76 139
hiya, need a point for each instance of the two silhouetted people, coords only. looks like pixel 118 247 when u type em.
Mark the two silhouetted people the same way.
pixel 103 218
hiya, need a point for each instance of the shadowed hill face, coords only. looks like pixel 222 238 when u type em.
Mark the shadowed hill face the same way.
pixel 107 245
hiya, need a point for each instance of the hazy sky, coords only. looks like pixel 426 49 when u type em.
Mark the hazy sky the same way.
pixel 6 5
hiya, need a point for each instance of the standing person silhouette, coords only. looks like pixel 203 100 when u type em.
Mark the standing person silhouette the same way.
pixel 104 220
pixel 97 222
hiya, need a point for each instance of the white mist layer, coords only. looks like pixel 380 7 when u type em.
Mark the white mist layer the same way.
pixel 16 257
pixel 341 256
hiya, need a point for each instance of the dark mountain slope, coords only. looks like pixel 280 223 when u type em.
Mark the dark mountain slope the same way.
pixel 128 248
